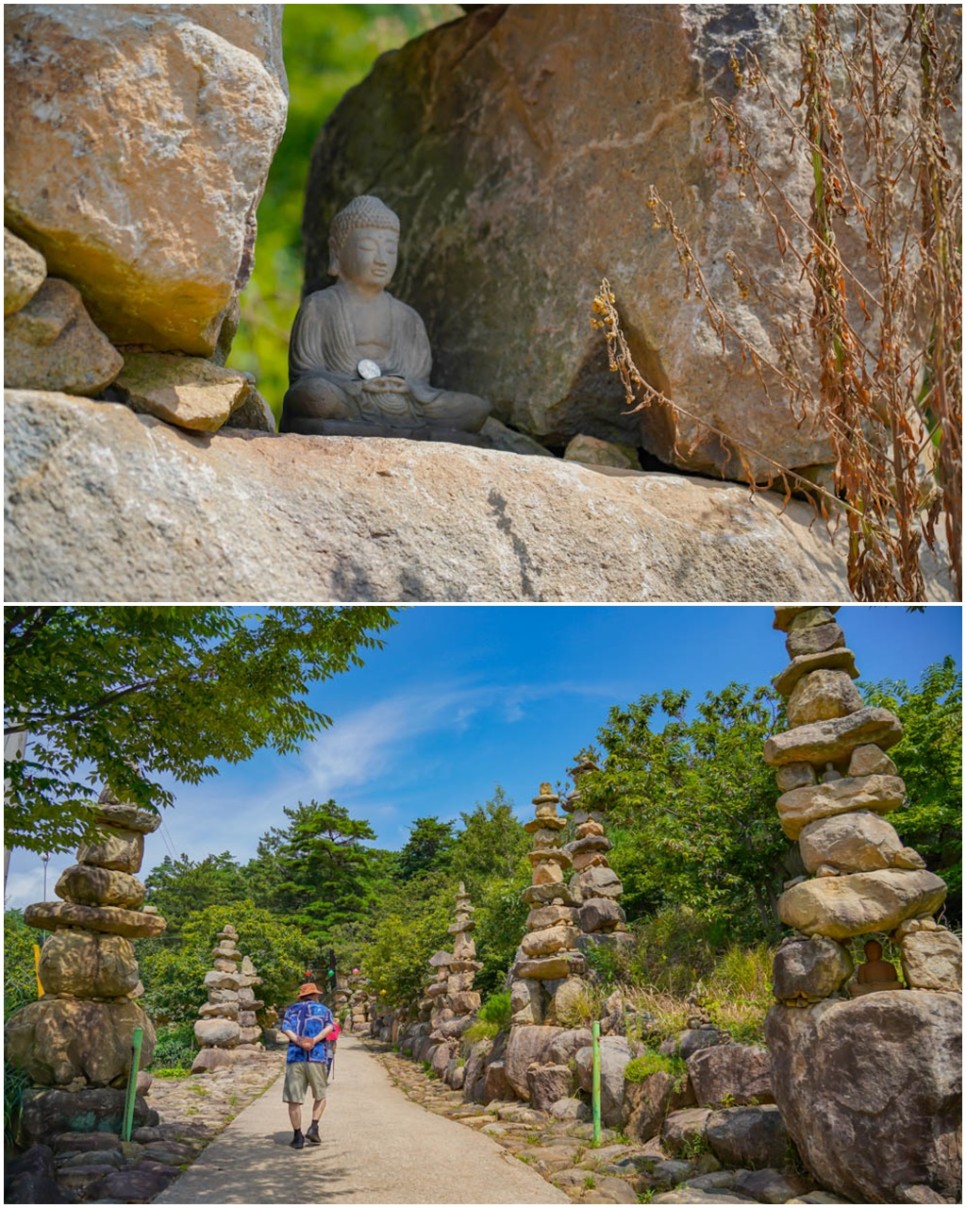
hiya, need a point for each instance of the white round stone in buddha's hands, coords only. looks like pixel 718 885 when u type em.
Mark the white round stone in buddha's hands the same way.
pixel 368 370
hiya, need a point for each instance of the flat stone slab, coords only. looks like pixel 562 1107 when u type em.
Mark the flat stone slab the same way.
pixel 339 518
pixel 134 924
pixel 828 741
pixel 852 794
pixel 863 902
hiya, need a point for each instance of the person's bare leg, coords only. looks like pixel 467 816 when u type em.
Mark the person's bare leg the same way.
pixel 312 1136
pixel 295 1116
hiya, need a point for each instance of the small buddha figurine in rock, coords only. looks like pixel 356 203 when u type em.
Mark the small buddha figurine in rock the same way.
pixel 359 359
pixel 875 973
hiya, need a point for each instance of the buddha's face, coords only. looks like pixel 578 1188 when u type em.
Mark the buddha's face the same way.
pixel 368 257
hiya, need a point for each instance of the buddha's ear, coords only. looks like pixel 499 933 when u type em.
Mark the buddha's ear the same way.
pixel 333 259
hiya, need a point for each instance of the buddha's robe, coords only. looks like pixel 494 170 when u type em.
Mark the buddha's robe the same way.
pixel 325 383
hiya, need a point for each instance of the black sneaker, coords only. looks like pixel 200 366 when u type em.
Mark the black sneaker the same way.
pixel 313 1133
pixel 298 1141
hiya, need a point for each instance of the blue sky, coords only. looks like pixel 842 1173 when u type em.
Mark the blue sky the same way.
pixel 462 699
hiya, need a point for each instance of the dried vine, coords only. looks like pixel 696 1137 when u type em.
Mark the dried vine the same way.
pixel 878 250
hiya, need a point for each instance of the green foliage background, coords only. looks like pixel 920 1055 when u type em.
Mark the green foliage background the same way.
pixel 328 48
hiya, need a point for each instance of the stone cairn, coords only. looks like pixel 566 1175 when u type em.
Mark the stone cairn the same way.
pixel 78 1036
pixel 228 1029
pixel 837 782
pixel 359 1005
pixel 594 884
pixel 548 958
pixel 451 1000
pixel 341 995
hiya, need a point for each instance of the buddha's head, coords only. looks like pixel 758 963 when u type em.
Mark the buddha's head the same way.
pixel 364 243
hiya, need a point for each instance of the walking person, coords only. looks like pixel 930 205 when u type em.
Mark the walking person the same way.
pixel 307 1025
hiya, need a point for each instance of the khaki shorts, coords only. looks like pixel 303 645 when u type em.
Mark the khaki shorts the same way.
pixel 300 1075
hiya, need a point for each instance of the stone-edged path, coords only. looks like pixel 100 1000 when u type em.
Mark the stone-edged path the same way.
pixel 378 1147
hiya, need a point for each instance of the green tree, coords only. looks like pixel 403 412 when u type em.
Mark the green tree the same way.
pixel 692 806
pixel 930 761
pixel 19 977
pixel 396 955
pixel 427 849
pixel 180 887
pixel 173 969
pixel 119 694
pixel 320 869
pixel 491 843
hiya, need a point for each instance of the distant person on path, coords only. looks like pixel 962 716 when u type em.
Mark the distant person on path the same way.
pixel 307 1024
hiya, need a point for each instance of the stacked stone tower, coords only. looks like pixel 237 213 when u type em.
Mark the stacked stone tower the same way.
pixel 452 995
pixel 837 785
pixel 548 955
pixel 78 1036
pixel 594 884
pixel 228 1029
pixel 869 1086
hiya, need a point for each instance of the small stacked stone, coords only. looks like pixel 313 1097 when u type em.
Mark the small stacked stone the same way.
pixel 837 784
pixel 359 1003
pixel 548 955
pixel 79 1034
pixel 594 884
pixel 228 1029
pixel 340 998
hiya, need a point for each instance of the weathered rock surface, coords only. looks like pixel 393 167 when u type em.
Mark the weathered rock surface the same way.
pixel 58 1039
pixel 870 1091
pixel 820 695
pixel 800 807
pixel 90 885
pixel 341 519
pixel 153 216
pixel 809 970
pixel 101 1109
pixel 507 292
pixel 187 391
pixel 855 842
pixel 51 344
pixel 739 1072
pixel 24 270
pixel 829 741
pixel 839 659
pixel 861 902
pixel 933 960
pixel 224 1032
pixel 88 965
pixel 114 848
pixel 749 1136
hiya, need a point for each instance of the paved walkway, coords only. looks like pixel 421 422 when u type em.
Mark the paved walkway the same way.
pixel 378 1147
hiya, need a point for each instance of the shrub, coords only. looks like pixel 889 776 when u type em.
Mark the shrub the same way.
pixel 174 1050
pixel 496 1010
pixel 652 1062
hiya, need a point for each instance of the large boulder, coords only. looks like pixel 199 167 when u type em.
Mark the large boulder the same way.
pixel 341 519
pixel 615 1053
pixel 799 807
pixel 731 1074
pixel 749 1136
pixel 58 1039
pixel 809 970
pixel 855 842
pixel 860 902
pixel 517 189
pixel 88 965
pixel 46 1113
pixel 525 1045
pixel 152 212
pixel 90 885
pixel 870 1090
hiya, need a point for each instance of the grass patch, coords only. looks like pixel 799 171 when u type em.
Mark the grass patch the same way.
pixel 171 1071
pixel 652 1062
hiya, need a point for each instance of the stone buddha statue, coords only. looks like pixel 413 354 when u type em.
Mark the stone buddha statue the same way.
pixel 359 359
pixel 875 974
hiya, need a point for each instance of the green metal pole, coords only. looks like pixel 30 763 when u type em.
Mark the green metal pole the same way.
pixel 596 1083
pixel 132 1084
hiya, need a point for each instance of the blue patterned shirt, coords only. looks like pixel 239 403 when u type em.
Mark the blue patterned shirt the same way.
pixel 307 1019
